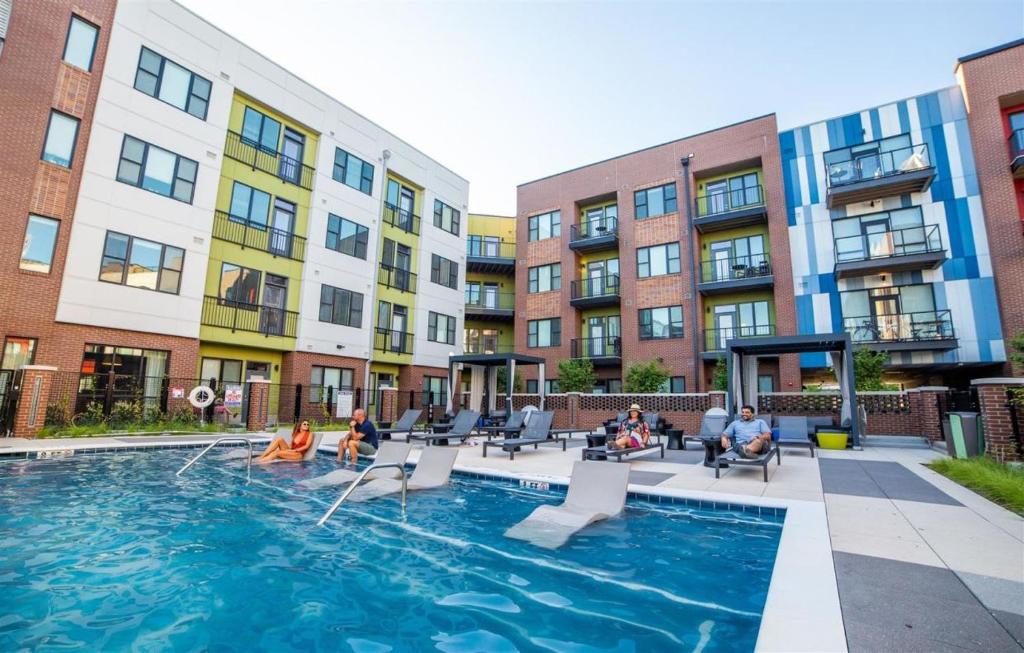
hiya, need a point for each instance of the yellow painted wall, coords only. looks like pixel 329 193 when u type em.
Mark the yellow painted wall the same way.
pixel 506 334
pixel 588 207
pixel 738 298
pixel 702 183
pixel 732 234
pixel 244 354
pixel 492 225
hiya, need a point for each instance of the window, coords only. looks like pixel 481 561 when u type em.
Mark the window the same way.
pixel 765 383
pixel 18 352
pixel 658 260
pixel 544 333
pixel 60 139
pixel 489 246
pixel 80 44
pixel 40 240
pixel 545 225
pixel 352 171
pixel 239 285
pixel 249 205
pixel 481 341
pixel 434 390
pixel 346 236
pixel 878 235
pixel 157 170
pixel 139 263
pixel 176 85
pixel 444 272
pixel 550 386
pixel 664 322
pixel 224 370
pixel 142 369
pixel 655 201
pixel 674 384
pixel 260 131
pixel 544 278
pixel 602 386
pixel 340 306
pixel 322 378
pixel 445 217
pixel 441 328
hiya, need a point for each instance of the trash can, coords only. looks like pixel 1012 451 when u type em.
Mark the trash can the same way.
pixel 963 427
pixel 947 435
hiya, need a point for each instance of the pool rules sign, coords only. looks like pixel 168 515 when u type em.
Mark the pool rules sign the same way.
pixel 343 405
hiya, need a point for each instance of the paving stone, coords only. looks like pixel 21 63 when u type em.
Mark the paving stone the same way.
pixel 648 478
pixel 898 482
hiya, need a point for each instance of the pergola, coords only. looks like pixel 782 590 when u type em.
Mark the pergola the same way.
pixel 742 368
pixel 486 366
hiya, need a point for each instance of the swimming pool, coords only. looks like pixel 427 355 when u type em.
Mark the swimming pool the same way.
pixel 114 552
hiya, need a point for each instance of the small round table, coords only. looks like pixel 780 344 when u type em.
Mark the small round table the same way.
pixel 712 447
pixel 675 438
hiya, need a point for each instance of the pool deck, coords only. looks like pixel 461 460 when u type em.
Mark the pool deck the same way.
pixel 878 552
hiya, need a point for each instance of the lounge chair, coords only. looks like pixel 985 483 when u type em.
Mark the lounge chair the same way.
pixel 714 422
pixel 537 431
pixel 461 428
pixel 404 424
pixel 389 452
pixel 433 470
pixel 731 457
pixel 793 433
pixel 512 426
pixel 596 491
pixel 655 424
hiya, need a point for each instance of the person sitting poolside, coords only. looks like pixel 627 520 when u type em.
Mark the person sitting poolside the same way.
pixel 360 439
pixel 633 431
pixel 302 438
pixel 752 436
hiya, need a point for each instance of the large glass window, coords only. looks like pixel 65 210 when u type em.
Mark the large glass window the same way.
pixel 657 260
pixel 224 370
pixel 445 217
pixel 550 386
pixel 18 352
pixel 352 171
pixel 481 341
pixel 260 130
pixel 543 278
pixel 80 45
pixel 435 390
pixel 156 170
pixel 346 236
pixel 176 85
pixel 444 272
pixel 441 328
pixel 663 322
pixel 340 306
pixel 878 235
pixel 544 333
pixel 545 225
pixel 61 135
pixel 249 205
pixel 239 285
pixel 489 246
pixel 141 263
pixel 655 201
pixel 322 378
pixel 40 240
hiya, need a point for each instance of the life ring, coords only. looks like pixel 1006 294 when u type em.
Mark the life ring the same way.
pixel 201 396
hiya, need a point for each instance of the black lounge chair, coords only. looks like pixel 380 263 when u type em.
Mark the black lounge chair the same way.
pixel 404 425
pixel 793 433
pixel 731 457
pixel 510 428
pixel 714 422
pixel 461 428
pixel 537 431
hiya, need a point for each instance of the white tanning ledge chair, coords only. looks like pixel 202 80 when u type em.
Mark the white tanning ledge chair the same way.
pixel 390 451
pixel 432 471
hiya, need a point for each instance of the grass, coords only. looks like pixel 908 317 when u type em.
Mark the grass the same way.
pixel 1002 483
pixel 94 430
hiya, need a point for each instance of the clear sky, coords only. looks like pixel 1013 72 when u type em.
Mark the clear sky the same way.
pixel 506 92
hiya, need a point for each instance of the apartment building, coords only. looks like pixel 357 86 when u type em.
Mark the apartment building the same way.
pixel 199 212
pixel 490 284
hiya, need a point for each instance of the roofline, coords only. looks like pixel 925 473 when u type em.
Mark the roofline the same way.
pixel 315 88
pixel 988 51
pixel 650 147
pixel 856 111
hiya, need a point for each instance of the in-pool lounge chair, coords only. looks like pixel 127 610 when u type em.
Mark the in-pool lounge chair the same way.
pixel 389 452
pixel 433 470
pixel 404 425
pixel 461 428
pixel 537 431
pixel 793 433
pixel 597 490
pixel 512 426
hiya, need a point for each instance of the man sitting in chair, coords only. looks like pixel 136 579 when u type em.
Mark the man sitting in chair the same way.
pixel 752 436
pixel 360 439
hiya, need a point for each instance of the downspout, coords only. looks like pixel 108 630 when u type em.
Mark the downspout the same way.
pixel 693 271
pixel 385 155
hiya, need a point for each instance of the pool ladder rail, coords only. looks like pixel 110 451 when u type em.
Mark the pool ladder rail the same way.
pixel 248 462
pixel 359 479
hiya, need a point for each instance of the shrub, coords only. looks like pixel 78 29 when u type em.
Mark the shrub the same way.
pixel 868 367
pixel 184 415
pixel 124 413
pixel 576 375
pixel 152 415
pixel 93 414
pixel 645 378
pixel 720 376
pixel 517 383
pixel 57 414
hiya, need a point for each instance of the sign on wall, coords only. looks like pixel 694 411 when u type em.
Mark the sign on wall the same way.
pixel 344 404
pixel 232 396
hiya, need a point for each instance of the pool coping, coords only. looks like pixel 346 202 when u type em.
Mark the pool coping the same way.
pixel 801 612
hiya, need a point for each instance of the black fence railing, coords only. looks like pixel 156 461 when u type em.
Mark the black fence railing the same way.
pixel 716 339
pixel 253 154
pixel 320 404
pixel 391 341
pixel 884 244
pixel 1016 144
pixel 862 167
pixel 489 249
pixel 126 401
pixel 491 301
pixel 393 277
pixel 600 347
pixel 401 218
pixel 252 318
pixel 920 326
pixel 603 286
pixel 734 268
pixel 594 228
pixel 260 237
pixel 729 200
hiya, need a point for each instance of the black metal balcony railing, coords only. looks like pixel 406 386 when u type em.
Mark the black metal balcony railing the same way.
pixel 257 236
pixel 252 318
pixel 486 348
pixel 269 161
pixel 1016 144
pixel 492 301
pixel 402 219
pixel 604 286
pixel 594 228
pixel 921 326
pixel 484 249
pixel 863 167
pixel 391 341
pixel 735 268
pixel 729 200
pixel 393 277
pixel 898 242
pixel 601 347
pixel 716 339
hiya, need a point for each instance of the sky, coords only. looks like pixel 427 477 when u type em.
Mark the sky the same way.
pixel 507 92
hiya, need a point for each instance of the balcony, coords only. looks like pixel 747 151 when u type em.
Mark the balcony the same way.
pixel 250 318
pixel 392 277
pixel 391 341
pixel 258 236
pixel 499 306
pixel 401 219
pixel 912 248
pixel 593 235
pixel 491 257
pixel 486 348
pixel 595 291
pixel 732 208
pixel 273 163
pixel 920 331
pixel 735 273
pixel 716 340
pixel 603 351
pixel 1016 145
pixel 861 177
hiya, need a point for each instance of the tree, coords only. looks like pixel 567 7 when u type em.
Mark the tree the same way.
pixel 720 376
pixel 646 377
pixel 576 375
pixel 868 367
pixel 517 383
pixel 1017 349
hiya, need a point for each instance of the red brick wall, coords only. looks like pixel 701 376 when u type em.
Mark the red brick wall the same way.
pixel 996 419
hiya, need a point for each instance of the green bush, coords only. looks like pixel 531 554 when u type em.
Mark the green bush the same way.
pixel 576 375
pixel 124 413
pixel 994 480
pixel 184 415
pixel 93 414
pixel 720 376
pixel 517 383
pixel 868 367
pixel 57 414
pixel 645 378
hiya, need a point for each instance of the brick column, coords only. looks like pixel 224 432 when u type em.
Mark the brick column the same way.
pixel 388 408
pixel 33 398
pixel 258 412
pixel 996 418
pixel 924 405
pixel 572 401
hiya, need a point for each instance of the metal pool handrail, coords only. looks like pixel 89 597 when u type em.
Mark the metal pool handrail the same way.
pixel 248 465
pixel 344 495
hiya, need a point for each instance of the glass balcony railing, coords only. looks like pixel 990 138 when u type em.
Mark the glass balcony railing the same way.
pixel 274 163
pixel 604 286
pixel 877 165
pixel 491 301
pixel 600 347
pixel 252 318
pixel 920 326
pixel 486 348
pixel 595 228
pixel 490 249
pixel 735 268
pixel 885 244
pixel 716 339
pixel 729 201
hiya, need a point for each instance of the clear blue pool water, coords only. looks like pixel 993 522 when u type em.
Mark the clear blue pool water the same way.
pixel 114 552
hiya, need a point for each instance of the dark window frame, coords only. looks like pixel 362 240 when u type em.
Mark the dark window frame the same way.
pixel 533 332
pixel 128 257
pixel 646 326
pixel 668 260
pixel 35 346
pixel 74 141
pixel 533 225
pixel 53 248
pixel 432 335
pixel 456 217
pixel 67 37
pixel 646 203
pixel 258 144
pixel 160 79
pixel 533 278
pixel 138 183
pixel 360 241
pixel 331 305
pixel 348 158
pixel 437 266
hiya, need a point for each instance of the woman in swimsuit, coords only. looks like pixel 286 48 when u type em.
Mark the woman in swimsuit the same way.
pixel 302 438
pixel 633 431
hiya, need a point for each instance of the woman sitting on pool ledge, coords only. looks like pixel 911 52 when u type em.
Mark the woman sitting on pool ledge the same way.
pixel 281 450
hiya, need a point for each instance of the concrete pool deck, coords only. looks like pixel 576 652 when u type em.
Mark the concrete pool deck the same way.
pixel 878 552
